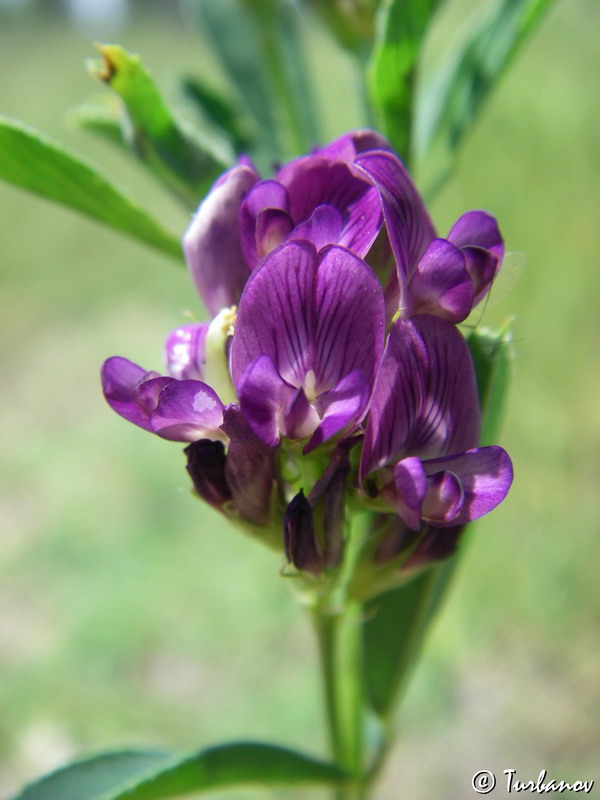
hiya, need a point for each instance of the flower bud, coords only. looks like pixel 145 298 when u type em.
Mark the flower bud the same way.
pixel 206 467
pixel 299 537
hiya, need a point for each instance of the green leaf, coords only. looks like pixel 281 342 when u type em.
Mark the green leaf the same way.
pixel 451 100
pixel 401 28
pixel 233 33
pixel 151 776
pixel 492 354
pixel 29 160
pixel 94 777
pixel 218 111
pixel 230 765
pixel 290 77
pixel 393 634
pixel 259 45
pixel 185 164
pixel 102 115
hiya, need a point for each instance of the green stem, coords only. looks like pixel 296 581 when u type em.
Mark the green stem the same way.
pixel 339 636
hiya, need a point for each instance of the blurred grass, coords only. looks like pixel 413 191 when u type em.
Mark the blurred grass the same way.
pixel 129 614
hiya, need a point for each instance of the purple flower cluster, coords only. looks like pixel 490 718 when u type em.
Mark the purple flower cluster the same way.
pixel 332 367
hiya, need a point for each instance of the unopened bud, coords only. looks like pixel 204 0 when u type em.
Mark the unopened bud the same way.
pixel 300 541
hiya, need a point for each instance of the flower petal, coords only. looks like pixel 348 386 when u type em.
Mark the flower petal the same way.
pixel 485 474
pixel 341 408
pixel 408 224
pixel 313 181
pixel 184 351
pixel 120 377
pixel 318 319
pixel 323 227
pixel 441 284
pixel 299 419
pixel 479 229
pixel 187 411
pixel 263 395
pixel 265 195
pixel 409 491
pixel 272 227
pixel 212 245
pixel 348 146
pixel 444 499
pixel 425 399
pixel 482 266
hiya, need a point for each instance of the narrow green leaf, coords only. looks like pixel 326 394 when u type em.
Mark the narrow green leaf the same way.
pixel 230 765
pixel 218 111
pixel 233 33
pixel 260 46
pixel 178 157
pixel 156 775
pixel 29 160
pixel 94 777
pixel 492 355
pixel 453 97
pixel 290 77
pixel 397 621
pixel 401 28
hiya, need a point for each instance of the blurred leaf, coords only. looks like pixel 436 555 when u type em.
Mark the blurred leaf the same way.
pixel 393 634
pixel 178 158
pixel 401 28
pixel 492 356
pixel 102 115
pixel 151 776
pixel 231 30
pixel 94 777
pixel 450 102
pixel 229 765
pixel 290 75
pixel 218 110
pixel 29 160
pixel 259 45
pixel 352 24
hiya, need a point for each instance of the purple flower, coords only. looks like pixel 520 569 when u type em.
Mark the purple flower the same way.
pixel 420 451
pixel 320 197
pixel 185 351
pixel 423 274
pixel 301 274
pixel 307 343
pixel 343 194
pixel 183 411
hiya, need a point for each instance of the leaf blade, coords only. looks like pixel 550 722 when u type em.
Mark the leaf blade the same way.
pixel 451 100
pixel 186 165
pixel 33 162
pixel 401 28
pixel 152 775
pixel 229 765
pixel 92 777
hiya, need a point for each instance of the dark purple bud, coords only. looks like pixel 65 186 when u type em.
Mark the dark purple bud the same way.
pixel 249 469
pixel 299 537
pixel 206 467
pixel 328 500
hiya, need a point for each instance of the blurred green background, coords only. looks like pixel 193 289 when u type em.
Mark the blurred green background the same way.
pixel 130 614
